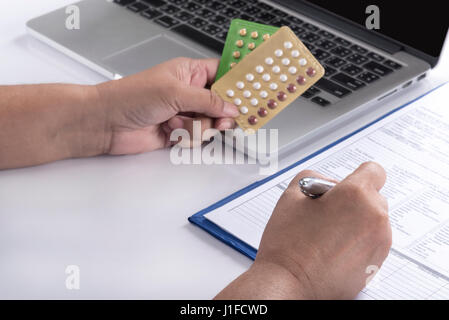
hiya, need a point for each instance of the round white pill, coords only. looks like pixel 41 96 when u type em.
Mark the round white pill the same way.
pixel 257 85
pixel 250 77
pixel 283 77
pixel 237 101
pixel 246 93
pixel 269 61
pixel 263 94
pixel 240 85
pixel 266 77
pixel 278 53
pixel 292 70
pixel 286 61
pixel 259 69
pixel 295 53
pixel 276 69
pixel 288 45
pixel 302 62
pixel 244 110
pixel 254 102
pixel 230 93
pixel 273 86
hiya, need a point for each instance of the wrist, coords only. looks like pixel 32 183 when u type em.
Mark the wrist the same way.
pixel 95 133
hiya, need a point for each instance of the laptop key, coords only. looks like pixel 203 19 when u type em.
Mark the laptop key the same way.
pixel 357 59
pixel 321 101
pixel 191 6
pixel 279 13
pixel 265 6
pixel 154 3
pixel 351 69
pixel 222 35
pixel 169 9
pixel 325 44
pixel 310 92
pixel 177 2
pixel 237 4
pixel 308 45
pixel 375 57
pixel 359 49
pixel 392 64
pixel 216 5
pixel 197 22
pixel 124 2
pixel 265 16
pixel 200 37
pixel 343 42
pixel 336 62
pixel 251 10
pixel 167 21
pixel 183 16
pixel 137 7
pixel 294 20
pixel 310 37
pixel 329 71
pixel 341 52
pixel 247 17
pixel 368 77
pixel 348 81
pixel 297 30
pixel 326 34
pixel 151 13
pixel 205 13
pixel 320 54
pixel 211 29
pixel 279 22
pixel 230 12
pixel 218 19
pixel 310 27
pixel 377 68
pixel 332 88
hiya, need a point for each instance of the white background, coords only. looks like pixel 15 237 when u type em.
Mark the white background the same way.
pixel 122 220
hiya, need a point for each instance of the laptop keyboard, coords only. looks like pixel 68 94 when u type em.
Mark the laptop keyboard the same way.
pixel 349 67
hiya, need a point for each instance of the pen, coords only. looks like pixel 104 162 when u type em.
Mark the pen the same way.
pixel 315 187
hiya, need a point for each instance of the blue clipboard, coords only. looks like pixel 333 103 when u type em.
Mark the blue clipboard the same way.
pixel 224 236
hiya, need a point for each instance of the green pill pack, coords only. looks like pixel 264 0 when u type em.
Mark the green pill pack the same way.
pixel 243 37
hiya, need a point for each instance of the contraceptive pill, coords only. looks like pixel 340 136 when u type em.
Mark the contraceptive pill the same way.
pixel 274 74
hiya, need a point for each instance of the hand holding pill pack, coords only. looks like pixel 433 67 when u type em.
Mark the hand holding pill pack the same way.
pixel 269 78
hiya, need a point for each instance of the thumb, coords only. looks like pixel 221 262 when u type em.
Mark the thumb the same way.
pixel 200 100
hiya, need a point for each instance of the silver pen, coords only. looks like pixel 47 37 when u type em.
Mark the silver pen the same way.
pixel 315 187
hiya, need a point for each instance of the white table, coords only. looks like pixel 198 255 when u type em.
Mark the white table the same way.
pixel 122 220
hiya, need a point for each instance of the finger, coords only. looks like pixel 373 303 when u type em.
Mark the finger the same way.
pixel 200 100
pixel 224 124
pixel 204 71
pixel 368 174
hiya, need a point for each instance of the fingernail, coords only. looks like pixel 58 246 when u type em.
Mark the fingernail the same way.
pixel 226 124
pixel 230 110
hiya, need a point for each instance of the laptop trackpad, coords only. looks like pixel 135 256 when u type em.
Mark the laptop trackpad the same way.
pixel 148 54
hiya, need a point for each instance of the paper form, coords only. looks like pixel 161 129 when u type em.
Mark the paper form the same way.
pixel 412 145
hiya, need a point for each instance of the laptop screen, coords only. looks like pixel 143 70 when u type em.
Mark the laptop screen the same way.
pixel 421 25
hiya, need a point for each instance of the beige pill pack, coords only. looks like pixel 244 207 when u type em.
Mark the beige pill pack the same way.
pixel 269 78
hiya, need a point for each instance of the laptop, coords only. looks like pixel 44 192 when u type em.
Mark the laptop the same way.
pixel 363 65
